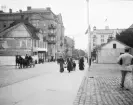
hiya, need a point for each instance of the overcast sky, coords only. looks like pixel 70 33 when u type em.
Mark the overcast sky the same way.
pixel 119 14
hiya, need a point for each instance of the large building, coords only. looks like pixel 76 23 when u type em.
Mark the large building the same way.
pixel 49 24
pixel 101 36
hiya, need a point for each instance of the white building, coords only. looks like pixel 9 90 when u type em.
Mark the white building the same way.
pixel 100 36
pixel 110 52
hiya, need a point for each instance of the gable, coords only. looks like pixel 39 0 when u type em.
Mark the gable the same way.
pixel 19 31
pixel 118 45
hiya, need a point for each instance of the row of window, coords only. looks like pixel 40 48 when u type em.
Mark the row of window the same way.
pixel 114 45
pixel 40 44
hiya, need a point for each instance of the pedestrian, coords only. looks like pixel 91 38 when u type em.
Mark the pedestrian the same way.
pixel 81 63
pixel 125 61
pixel 74 65
pixel 69 65
pixel 17 60
pixel 61 62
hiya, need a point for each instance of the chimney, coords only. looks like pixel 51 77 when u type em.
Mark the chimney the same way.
pixel 10 10
pixel 22 17
pixel 20 11
pixel 48 8
pixel 94 28
pixel 28 8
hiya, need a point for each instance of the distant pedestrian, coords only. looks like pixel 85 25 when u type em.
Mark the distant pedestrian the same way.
pixel 69 65
pixel 74 65
pixel 125 61
pixel 17 60
pixel 81 63
pixel 61 62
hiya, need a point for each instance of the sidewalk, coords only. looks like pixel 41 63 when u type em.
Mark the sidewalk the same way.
pixel 101 87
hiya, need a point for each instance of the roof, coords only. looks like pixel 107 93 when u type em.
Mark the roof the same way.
pixel 104 31
pixel 117 41
pixel 131 26
pixel 15 24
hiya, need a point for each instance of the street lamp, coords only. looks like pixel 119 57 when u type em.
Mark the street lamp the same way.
pixel 89 37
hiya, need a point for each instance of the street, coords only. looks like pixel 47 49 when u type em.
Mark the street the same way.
pixel 42 85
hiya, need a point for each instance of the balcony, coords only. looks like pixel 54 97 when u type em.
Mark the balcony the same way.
pixel 51 26
pixel 51 34
pixel 51 42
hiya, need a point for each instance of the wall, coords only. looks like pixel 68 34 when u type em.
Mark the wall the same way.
pixel 109 55
pixel 7 60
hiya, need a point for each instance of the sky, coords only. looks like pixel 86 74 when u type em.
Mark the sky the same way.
pixel 118 13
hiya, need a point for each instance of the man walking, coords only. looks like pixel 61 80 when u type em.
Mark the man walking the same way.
pixel 124 60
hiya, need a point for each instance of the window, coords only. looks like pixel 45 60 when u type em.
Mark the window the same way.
pixel 114 46
pixel 4 25
pixel 34 43
pixel 94 40
pixel 102 40
pixel 102 36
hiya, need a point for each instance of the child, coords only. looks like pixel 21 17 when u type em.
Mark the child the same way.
pixel 74 65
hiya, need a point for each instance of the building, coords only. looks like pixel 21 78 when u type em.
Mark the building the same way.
pixel 69 46
pixel 110 52
pixel 60 37
pixel 101 36
pixel 45 20
pixel 22 38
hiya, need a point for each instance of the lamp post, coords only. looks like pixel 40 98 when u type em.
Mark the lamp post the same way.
pixel 89 37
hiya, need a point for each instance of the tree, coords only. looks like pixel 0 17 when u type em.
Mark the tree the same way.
pixel 126 37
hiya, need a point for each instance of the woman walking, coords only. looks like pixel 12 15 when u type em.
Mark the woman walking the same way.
pixel 69 65
pixel 81 63
pixel 61 61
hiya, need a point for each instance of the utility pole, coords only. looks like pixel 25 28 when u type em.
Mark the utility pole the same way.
pixel 89 37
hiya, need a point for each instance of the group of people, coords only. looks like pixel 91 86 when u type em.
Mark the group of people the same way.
pixel 70 64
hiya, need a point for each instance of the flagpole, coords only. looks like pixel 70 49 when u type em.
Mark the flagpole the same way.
pixel 89 37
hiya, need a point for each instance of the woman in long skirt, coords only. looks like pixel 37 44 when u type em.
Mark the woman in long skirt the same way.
pixel 81 64
pixel 61 65
pixel 69 65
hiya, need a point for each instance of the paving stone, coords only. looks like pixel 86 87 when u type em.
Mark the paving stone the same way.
pixel 104 90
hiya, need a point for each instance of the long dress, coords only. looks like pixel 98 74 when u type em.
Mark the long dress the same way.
pixel 69 66
pixel 61 65
pixel 81 64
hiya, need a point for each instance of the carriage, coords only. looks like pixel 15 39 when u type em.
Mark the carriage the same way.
pixel 24 62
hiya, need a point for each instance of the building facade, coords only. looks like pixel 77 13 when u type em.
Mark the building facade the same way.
pixel 43 19
pixel 22 38
pixel 110 52
pixel 101 36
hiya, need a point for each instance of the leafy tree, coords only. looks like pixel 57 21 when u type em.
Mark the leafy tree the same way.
pixel 126 37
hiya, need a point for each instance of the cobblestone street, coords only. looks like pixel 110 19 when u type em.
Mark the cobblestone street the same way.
pixel 101 87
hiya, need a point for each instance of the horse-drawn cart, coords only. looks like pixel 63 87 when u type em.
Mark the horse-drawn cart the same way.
pixel 24 62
